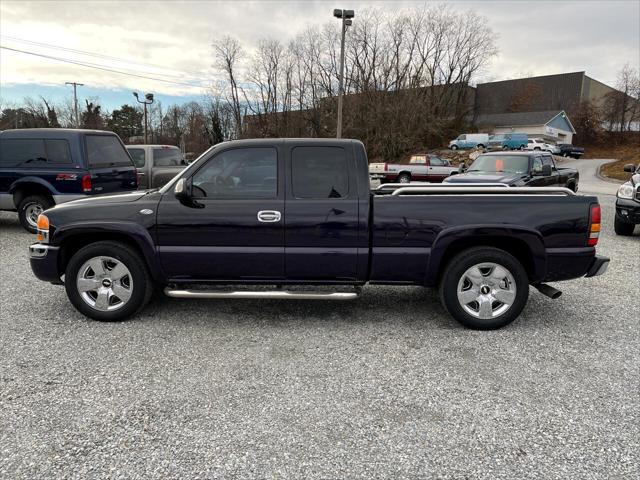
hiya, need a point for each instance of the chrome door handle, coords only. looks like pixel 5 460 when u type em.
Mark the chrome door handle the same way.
pixel 269 216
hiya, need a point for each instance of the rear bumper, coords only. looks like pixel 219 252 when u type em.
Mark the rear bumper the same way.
pixel 44 262
pixel 598 266
pixel 567 264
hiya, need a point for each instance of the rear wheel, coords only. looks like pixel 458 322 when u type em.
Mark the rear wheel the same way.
pixel 484 288
pixel 29 210
pixel 454 147
pixel 623 228
pixel 480 145
pixel 404 178
pixel 108 281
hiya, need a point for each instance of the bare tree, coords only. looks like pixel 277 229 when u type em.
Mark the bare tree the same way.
pixel 227 54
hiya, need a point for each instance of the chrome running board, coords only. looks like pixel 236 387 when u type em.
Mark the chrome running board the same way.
pixel 266 294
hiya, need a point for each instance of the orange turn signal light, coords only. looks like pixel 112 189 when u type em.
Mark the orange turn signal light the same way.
pixel 43 228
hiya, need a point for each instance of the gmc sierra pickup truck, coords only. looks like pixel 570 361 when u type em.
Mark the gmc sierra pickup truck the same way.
pixel 421 167
pixel 517 169
pixel 299 215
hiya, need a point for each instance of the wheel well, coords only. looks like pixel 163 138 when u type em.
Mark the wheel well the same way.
pixel 72 244
pixel 404 172
pixel 26 189
pixel 518 248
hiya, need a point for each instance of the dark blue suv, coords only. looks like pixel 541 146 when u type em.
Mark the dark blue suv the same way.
pixel 42 167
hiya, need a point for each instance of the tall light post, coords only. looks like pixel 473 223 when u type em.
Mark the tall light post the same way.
pixel 346 16
pixel 148 100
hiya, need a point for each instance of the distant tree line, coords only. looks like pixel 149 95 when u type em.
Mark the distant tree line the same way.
pixel 407 78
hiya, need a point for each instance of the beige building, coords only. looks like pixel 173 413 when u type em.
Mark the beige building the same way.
pixel 553 125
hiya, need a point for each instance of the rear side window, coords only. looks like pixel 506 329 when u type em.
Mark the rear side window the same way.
pixel 33 152
pixel 167 157
pixel 106 151
pixel 319 172
pixel 137 154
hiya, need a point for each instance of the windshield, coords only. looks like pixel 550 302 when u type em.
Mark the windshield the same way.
pixel 500 163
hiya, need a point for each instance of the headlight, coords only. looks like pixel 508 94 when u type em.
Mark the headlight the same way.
pixel 625 190
pixel 43 229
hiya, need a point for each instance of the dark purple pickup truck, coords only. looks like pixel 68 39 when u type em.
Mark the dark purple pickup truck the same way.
pixel 296 217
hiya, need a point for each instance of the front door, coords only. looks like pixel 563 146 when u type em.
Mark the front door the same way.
pixel 235 229
pixel 438 169
pixel 322 214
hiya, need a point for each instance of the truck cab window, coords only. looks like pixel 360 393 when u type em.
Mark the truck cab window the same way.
pixel 537 164
pixel 167 157
pixel 239 173
pixel 437 162
pixel 137 154
pixel 547 160
pixel 319 172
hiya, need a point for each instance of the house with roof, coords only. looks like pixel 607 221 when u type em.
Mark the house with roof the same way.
pixel 552 125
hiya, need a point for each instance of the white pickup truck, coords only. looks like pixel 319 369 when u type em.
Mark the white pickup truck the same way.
pixel 421 167
pixel 540 144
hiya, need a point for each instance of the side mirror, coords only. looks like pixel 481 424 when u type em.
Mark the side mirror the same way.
pixel 546 170
pixel 630 167
pixel 461 168
pixel 182 190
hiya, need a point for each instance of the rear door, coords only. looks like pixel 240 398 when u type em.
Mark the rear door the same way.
pixel 321 238
pixel 109 163
pixel 236 230
pixel 167 163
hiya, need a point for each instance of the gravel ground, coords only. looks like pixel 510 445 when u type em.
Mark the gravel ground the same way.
pixel 387 386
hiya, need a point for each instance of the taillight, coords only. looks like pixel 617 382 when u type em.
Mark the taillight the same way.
pixel 386 167
pixel 86 183
pixel 594 225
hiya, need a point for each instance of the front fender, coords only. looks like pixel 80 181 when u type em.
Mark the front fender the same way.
pixel 132 231
pixel 487 235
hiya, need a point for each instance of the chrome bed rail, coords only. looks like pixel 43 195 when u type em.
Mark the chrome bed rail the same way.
pixel 482 190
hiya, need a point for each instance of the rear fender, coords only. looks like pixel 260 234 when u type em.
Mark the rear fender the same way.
pixel 24 183
pixel 451 240
pixel 113 230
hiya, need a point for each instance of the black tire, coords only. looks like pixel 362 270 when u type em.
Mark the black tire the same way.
pixel 403 178
pixel 455 272
pixel 573 186
pixel 536 148
pixel 480 145
pixel 623 229
pixel 454 147
pixel 30 204
pixel 140 280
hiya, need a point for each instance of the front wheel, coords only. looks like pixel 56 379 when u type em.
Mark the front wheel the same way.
pixel 484 288
pixel 454 147
pixel 107 281
pixel 623 228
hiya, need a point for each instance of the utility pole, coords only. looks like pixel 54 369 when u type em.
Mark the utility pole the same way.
pixel 148 101
pixel 346 16
pixel 75 99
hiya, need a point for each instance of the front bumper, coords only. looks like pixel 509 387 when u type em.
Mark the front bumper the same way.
pixel 628 210
pixel 44 262
pixel 598 266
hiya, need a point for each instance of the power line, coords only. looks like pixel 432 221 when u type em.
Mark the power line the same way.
pixel 100 67
pixel 98 55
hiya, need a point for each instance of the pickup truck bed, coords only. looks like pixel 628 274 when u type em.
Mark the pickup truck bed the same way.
pixel 301 212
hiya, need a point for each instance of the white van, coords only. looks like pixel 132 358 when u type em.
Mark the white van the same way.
pixel 470 140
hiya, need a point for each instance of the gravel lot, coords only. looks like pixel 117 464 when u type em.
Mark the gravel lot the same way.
pixel 387 386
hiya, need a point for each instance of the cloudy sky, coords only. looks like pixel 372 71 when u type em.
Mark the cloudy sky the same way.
pixel 170 41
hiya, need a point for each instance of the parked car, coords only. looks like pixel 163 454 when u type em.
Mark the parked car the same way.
pixel 628 203
pixel 518 169
pixel 42 167
pixel 156 164
pixel 300 212
pixel 508 141
pixel 470 140
pixel 568 150
pixel 421 167
pixel 541 144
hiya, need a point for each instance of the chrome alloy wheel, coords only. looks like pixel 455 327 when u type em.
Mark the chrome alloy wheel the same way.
pixel 104 283
pixel 486 290
pixel 31 212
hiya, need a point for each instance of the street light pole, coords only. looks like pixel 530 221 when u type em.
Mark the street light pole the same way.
pixel 346 16
pixel 148 101
pixel 75 99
